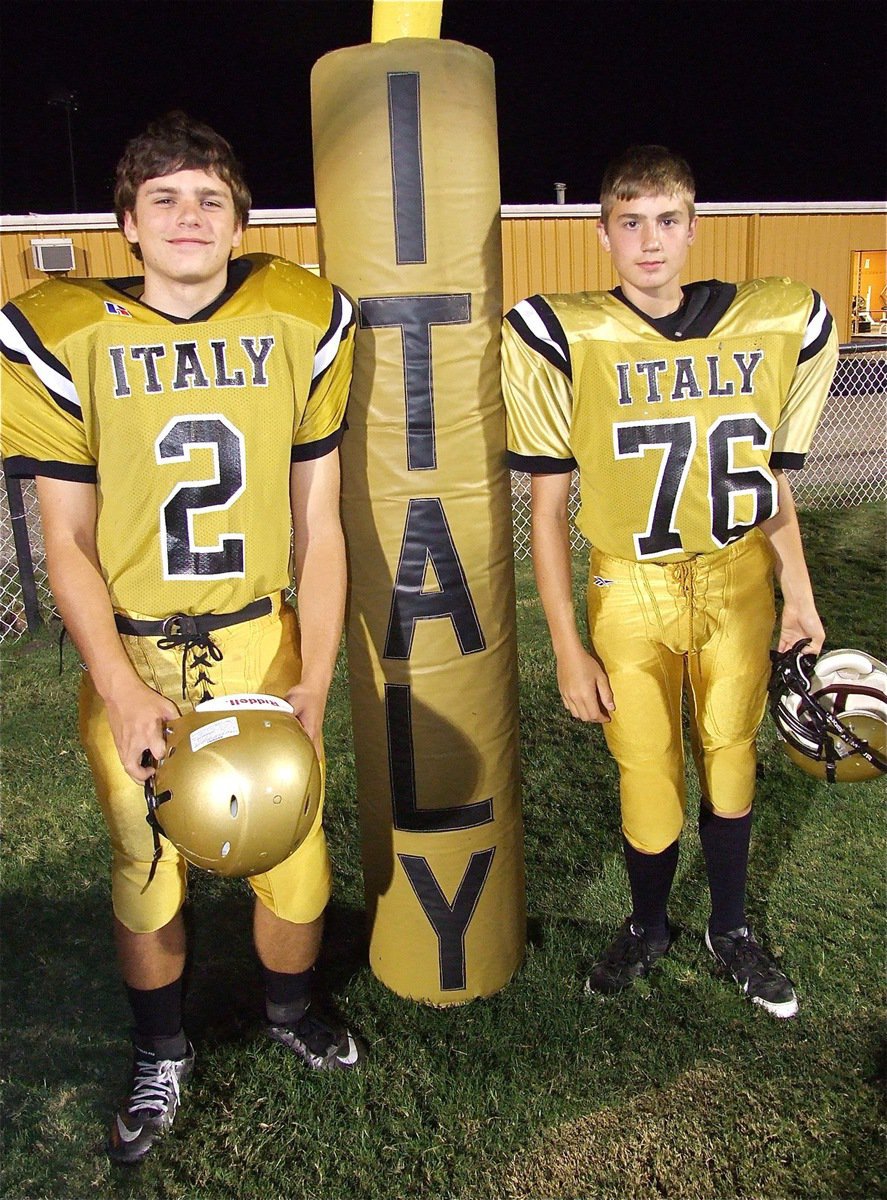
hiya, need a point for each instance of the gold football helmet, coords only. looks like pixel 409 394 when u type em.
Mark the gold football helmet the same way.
pixel 239 785
pixel 831 712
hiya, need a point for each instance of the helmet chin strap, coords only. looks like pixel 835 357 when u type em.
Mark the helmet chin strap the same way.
pixel 793 667
pixel 831 759
pixel 791 671
pixel 153 802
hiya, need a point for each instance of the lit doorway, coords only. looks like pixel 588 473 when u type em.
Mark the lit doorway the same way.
pixel 868 302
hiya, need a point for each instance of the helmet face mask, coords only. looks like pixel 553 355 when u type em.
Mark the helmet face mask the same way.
pixel 831 712
pixel 239 786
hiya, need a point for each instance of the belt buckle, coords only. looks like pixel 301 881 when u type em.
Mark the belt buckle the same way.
pixel 179 625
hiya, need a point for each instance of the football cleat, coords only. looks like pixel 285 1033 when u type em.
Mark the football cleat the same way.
pixel 630 956
pixel 238 788
pixel 831 712
pixel 320 1044
pixel 150 1109
pixel 758 974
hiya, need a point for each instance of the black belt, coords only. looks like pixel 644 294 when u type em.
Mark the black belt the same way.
pixel 181 626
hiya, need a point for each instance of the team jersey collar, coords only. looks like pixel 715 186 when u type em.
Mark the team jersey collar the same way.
pixel 239 270
pixel 705 302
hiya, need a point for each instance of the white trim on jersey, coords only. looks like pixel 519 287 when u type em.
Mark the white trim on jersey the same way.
pixel 817 319
pixel 332 339
pixel 59 386
pixel 536 326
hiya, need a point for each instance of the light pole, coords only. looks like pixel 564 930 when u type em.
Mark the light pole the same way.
pixel 68 101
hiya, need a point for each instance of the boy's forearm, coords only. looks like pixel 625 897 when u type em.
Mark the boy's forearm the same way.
pixel 321 603
pixel 553 564
pixel 582 681
pixel 79 587
pixel 784 534
pixel 321 577
pixel 800 619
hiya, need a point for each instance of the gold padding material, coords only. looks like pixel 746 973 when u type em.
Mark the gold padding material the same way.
pixel 406 181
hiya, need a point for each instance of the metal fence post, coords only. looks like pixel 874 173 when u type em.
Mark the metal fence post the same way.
pixel 19 522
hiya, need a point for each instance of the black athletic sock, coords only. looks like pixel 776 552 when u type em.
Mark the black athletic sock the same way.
pixel 287 995
pixel 158 1019
pixel 725 842
pixel 650 877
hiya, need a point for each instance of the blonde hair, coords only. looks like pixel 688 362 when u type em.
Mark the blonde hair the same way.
pixel 646 171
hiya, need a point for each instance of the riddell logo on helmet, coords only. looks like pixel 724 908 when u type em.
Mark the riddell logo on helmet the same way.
pixel 244 700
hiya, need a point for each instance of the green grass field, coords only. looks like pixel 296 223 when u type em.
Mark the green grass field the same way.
pixel 680 1089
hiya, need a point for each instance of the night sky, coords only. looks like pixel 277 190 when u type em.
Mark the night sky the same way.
pixel 768 99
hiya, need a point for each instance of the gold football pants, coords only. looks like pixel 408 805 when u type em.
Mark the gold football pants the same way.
pixel 257 656
pixel 706 622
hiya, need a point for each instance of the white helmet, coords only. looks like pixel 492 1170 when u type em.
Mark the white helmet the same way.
pixel 831 712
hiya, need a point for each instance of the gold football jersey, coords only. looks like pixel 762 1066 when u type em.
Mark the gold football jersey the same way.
pixel 187 427
pixel 677 424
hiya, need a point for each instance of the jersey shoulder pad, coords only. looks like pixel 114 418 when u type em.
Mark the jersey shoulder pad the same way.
pixel 581 314
pixel 289 289
pixel 778 293
pixel 58 308
pixel 578 303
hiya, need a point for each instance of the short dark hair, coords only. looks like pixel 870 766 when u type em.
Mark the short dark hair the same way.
pixel 646 171
pixel 176 142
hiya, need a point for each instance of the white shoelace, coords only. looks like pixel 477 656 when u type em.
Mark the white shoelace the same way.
pixel 152 1086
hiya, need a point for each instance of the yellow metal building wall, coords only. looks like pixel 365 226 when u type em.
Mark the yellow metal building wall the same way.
pixel 819 249
pixel 721 249
pixel 549 255
pixel 298 243
pixel 552 254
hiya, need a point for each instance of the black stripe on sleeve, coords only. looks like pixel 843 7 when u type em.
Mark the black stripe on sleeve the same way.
pixel 20 467
pixel 822 337
pixel 319 449
pixel 781 460
pixel 540 464
pixel 558 357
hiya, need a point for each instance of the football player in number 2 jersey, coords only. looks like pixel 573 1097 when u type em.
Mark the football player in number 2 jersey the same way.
pixel 682 408
pixel 177 426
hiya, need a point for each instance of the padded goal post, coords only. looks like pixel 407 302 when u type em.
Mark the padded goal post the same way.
pixel 407 192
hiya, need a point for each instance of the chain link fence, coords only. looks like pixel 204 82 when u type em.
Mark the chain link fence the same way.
pixel 847 465
pixel 25 597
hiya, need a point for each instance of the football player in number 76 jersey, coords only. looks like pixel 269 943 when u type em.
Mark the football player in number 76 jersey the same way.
pixel 682 408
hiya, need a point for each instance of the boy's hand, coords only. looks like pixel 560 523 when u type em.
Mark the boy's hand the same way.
pixel 796 625
pixel 137 716
pixel 584 687
pixel 308 707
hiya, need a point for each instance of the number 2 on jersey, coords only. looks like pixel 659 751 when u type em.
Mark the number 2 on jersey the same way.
pixel 182 557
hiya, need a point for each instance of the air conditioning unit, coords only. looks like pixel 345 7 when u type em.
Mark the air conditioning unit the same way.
pixel 53 255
